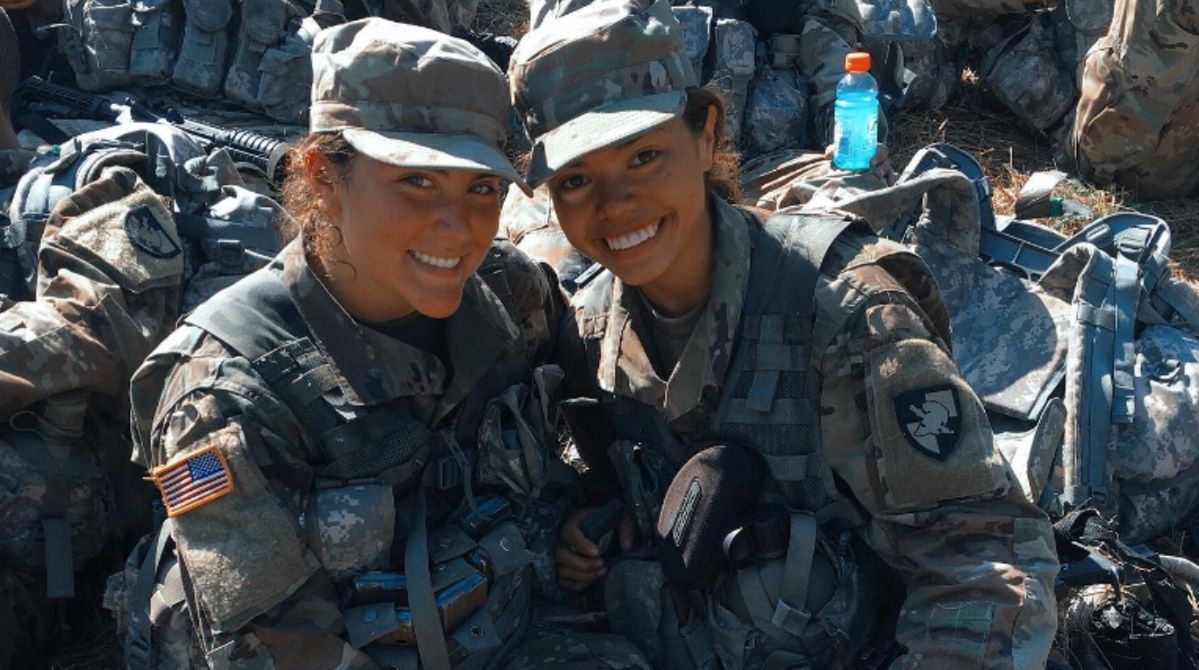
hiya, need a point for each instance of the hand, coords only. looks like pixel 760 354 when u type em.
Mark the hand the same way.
pixel 577 558
pixel 880 165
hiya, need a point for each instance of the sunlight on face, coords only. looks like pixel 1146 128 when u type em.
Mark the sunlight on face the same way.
pixel 636 207
pixel 412 237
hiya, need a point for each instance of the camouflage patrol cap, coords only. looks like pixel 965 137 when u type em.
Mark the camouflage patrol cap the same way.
pixel 599 75
pixel 410 96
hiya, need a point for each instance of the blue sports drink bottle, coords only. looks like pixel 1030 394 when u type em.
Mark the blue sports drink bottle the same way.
pixel 855 115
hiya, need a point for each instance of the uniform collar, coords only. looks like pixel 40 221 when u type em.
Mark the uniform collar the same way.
pixel 624 363
pixel 373 368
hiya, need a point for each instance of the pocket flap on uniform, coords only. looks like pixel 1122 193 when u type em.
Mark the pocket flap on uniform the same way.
pixel 209 15
pixel 263 21
pixel 116 17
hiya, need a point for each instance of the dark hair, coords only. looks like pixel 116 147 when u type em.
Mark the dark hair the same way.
pixel 296 195
pixel 725 176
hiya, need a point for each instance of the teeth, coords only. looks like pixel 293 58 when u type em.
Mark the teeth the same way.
pixel 444 263
pixel 630 240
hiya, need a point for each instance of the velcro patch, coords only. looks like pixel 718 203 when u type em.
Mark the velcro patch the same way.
pixel 929 419
pixel 194 481
pixel 147 233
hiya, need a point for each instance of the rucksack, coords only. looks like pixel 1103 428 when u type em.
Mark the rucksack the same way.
pixel 230 229
pixel 1084 349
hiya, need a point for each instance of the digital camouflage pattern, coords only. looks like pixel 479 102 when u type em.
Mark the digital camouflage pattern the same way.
pixel 1136 121
pixel 271 69
pixel 1026 75
pixel 933 521
pixel 255 53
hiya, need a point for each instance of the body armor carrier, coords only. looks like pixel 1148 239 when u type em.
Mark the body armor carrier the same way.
pixel 769 401
pixel 382 462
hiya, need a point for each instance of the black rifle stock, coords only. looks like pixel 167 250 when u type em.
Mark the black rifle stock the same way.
pixel 267 154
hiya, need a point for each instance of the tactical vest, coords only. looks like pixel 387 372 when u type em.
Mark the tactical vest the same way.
pixel 388 458
pixel 770 402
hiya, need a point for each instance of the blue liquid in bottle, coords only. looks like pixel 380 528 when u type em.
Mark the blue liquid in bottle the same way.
pixel 855 131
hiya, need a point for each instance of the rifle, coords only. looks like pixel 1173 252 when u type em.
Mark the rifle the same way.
pixel 41 98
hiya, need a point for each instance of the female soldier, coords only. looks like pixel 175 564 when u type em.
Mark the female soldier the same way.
pixel 808 339
pixel 349 444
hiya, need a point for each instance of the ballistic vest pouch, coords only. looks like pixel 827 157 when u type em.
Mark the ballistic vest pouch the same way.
pixel 708 497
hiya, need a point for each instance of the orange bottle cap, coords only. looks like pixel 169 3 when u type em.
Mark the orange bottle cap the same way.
pixel 857 61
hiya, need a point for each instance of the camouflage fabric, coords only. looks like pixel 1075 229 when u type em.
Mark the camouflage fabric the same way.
pixel 976 7
pixel 200 67
pixel 406 95
pixel 900 20
pixel 549 645
pixel 573 102
pixel 24 620
pixel 97 39
pixel 1024 72
pixel 1141 136
pixel 65 358
pixel 261 563
pixel 933 521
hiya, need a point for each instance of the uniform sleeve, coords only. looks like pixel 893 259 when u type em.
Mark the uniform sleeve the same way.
pixel 909 438
pixel 102 302
pixel 257 594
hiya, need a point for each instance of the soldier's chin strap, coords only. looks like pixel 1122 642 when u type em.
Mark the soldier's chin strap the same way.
pixel 426 622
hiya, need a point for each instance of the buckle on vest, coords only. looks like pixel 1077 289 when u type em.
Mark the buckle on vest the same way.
pixel 789 618
pixel 446 473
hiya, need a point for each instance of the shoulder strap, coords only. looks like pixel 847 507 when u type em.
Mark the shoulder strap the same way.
pixel 253 317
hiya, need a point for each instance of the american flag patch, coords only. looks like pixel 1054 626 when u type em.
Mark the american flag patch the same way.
pixel 196 480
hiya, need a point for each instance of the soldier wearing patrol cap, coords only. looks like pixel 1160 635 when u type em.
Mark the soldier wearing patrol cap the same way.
pixel 352 444
pixel 822 348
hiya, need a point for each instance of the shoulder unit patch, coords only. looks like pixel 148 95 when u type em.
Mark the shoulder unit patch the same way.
pixel 194 481
pixel 930 420
pixel 146 232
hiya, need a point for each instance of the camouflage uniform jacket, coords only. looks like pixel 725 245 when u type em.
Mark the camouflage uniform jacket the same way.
pixel 262 565
pixel 977 558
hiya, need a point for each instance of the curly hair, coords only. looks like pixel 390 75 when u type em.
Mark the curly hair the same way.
pixel 318 235
pixel 725 176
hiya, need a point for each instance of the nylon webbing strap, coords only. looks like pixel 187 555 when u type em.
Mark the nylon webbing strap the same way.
pixel 139 647
pixel 1127 289
pixel 422 600
pixel 788 253
pixel 1095 412
pixel 791 613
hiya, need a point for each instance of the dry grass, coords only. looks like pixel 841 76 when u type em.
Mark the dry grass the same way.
pixel 1010 153
pixel 502 17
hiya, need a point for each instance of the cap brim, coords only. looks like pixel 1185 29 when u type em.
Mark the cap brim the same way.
pixel 435 151
pixel 605 125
